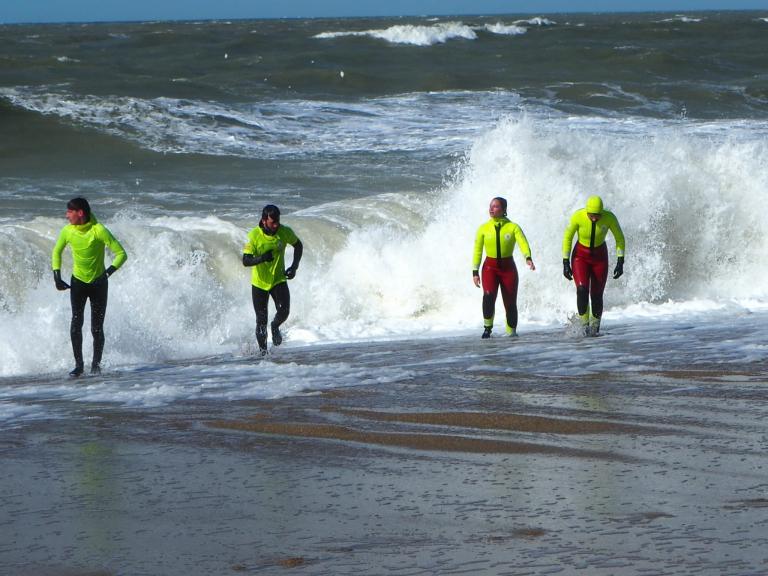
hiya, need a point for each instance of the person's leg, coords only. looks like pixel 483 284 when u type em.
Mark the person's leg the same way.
pixel 509 283
pixel 580 264
pixel 599 277
pixel 281 296
pixel 260 299
pixel 98 295
pixel 78 294
pixel 490 280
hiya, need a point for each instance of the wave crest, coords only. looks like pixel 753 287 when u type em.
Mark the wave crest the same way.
pixel 412 34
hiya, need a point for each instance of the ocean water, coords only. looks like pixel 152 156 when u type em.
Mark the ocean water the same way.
pixel 382 140
pixel 384 433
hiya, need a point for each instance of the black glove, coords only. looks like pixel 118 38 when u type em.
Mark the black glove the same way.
pixel 619 270
pixel 60 284
pixel 567 272
pixel 290 272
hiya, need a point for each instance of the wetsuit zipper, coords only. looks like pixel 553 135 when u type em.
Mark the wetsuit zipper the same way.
pixel 498 241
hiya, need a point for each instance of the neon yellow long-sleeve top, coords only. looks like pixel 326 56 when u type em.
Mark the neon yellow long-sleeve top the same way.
pixel 268 274
pixel 87 241
pixel 592 234
pixel 498 237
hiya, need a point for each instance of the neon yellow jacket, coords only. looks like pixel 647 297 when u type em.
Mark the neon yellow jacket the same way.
pixel 87 241
pixel 592 234
pixel 269 274
pixel 498 237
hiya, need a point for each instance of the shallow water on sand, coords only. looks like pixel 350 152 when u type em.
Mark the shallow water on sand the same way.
pixel 479 458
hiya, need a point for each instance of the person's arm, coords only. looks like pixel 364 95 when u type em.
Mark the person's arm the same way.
pixel 525 248
pixel 618 235
pixel 253 260
pixel 251 257
pixel 61 242
pixel 118 252
pixel 477 256
pixel 570 230
pixel 298 251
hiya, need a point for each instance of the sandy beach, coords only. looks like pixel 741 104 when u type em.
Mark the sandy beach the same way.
pixel 460 469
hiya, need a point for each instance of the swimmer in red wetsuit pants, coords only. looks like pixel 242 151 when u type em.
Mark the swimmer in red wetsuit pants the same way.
pixel 588 264
pixel 498 237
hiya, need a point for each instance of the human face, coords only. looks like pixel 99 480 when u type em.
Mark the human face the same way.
pixel 75 217
pixel 271 225
pixel 594 217
pixel 496 210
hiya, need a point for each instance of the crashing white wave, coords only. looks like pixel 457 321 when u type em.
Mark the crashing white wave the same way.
pixel 415 35
pixel 681 18
pixel 438 33
pixel 537 21
pixel 689 197
pixel 505 29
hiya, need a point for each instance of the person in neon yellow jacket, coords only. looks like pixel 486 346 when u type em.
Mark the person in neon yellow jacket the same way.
pixel 87 238
pixel 588 264
pixel 498 237
pixel 265 252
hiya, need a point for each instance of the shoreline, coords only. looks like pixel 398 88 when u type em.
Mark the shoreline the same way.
pixel 461 464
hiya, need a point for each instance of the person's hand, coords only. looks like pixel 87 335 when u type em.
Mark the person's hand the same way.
pixel 290 272
pixel 567 272
pixel 107 273
pixel 476 279
pixel 529 262
pixel 266 257
pixel 619 270
pixel 60 284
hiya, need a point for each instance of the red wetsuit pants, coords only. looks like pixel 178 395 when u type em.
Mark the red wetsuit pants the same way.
pixel 500 272
pixel 590 273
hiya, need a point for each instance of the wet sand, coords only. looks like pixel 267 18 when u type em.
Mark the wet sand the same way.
pixel 457 470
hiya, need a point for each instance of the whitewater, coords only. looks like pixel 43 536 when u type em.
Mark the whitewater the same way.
pixel 397 265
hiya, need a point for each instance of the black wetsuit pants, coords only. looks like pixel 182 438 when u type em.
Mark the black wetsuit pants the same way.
pixel 281 296
pixel 79 292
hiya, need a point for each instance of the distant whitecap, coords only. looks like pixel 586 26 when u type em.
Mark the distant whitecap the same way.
pixel 409 34
pixel 505 29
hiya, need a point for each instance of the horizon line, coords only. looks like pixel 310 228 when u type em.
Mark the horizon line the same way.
pixel 381 16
